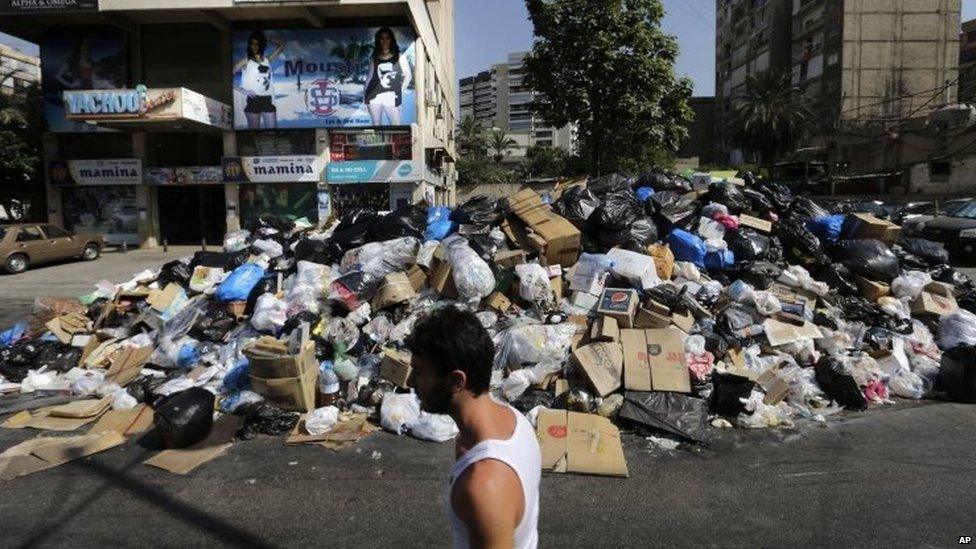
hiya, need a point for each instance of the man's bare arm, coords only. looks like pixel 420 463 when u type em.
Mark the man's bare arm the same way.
pixel 488 498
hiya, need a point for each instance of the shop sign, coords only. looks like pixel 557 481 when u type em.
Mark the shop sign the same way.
pixel 273 169
pixel 372 171
pixel 47 6
pixel 124 171
pixel 188 175
pixel 141 103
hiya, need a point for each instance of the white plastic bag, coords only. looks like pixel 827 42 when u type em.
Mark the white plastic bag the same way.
pixel 957 329
pixel 766 303
pixel 472 275
pixel 909 285
pixel 205 278
pixel 269 314
pixel 399 410
pixel 433 427
pixel 270 248
pixel 123 400
pixel 534 285
pixel 533 343
pixel 798 277
pixel 687 271
pixel 236 241
pixel 320 420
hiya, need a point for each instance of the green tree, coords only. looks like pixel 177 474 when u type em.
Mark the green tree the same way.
pixel 541 161
pixel 770 115
pixel 21 188
pixel 471 137
pixel 499 144
pixel 355 57
pixel 607 66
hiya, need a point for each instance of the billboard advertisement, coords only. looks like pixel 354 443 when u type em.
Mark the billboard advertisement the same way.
pixel 86 61
pixel 188 175
pixel 371 171
pixel 25 7
pixel 273 169
pixel 122 171
pixel 324 78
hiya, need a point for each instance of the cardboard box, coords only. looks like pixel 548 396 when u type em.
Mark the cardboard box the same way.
pixel 418 278
pixel 928 303
pixel 638 269
pixel 605 328
pixel 498 302
pixel 508 259
pixel 760 225
pixel 652 315
pixel 396 367
pixel 572 442
pixel 865 225
pixel 774 385
pixel 558 240
pixel 870 289
pixel 620 304
pixel 941 288
pixel 637 369
pixel 799 297
pixel 663 260
pixel 269 358
pixel 603 365
pixel 782 333
pixel 288 381
pixel 666 357
pixel 396 289
pixel 684 321
pixel 442 281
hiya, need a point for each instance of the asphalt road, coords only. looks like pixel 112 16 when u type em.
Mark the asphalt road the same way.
pixel 899 475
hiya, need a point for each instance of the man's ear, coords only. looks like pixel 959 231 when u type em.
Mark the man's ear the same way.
pixel 458 380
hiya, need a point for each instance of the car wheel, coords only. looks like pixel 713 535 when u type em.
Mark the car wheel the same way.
pixel 91 252
pixel 17 263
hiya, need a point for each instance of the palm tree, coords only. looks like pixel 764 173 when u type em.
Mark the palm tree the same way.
pixel 499 144
pixel 471 136
pixel 770 114
pixel 354 56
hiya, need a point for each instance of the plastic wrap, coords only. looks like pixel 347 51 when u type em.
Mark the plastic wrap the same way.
pixel 909 285
pixel 534 285
pixel 957 329
pixel 398 411
pixel 320 420
pixel 270 314
pixel 433 427
pixel 472 275
pixel 533 343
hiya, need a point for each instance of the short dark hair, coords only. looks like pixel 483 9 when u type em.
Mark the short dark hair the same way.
pixel 451 339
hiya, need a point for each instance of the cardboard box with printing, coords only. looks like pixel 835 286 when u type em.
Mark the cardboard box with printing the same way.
pixel 572 442
pixel 555 239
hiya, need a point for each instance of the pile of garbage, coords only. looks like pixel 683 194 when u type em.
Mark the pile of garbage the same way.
pixel 661 304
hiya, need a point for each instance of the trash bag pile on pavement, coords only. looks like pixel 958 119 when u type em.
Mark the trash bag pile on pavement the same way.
pixel 657 304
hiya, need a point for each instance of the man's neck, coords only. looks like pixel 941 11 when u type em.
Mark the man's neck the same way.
pixel 479 418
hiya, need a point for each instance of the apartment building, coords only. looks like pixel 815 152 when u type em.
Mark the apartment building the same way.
pixel 967 62
pixel 177 120
pixel 17 69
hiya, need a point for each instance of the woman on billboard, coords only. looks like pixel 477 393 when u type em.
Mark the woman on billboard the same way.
pixel 257 81
pixel 389 77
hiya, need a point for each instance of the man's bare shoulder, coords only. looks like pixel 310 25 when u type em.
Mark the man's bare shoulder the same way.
pixel 488 498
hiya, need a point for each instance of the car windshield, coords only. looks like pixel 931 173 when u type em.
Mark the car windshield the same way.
pixel 950 208
pixel 3 232
pixel 967 210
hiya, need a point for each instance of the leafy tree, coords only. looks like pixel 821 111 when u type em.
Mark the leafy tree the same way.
pixel 769 114
pixel 355 57
pixel 471 137
pixel 607 66
pixel 21 188
pixel 541 161
pixel 499 143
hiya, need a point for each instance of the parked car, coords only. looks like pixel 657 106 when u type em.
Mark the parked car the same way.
pixel 26 244
pixel 912 210
pixel 911 225
pixel 957 230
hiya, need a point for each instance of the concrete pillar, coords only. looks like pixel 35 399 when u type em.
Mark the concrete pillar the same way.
pixel 232 204
pixel 145 200
pixel 55 209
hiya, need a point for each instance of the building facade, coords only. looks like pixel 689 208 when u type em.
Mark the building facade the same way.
pixel 500 99
pixel 856 63
pixel 177 120
pixel 698 149
pixel 17 69
pixel 967 62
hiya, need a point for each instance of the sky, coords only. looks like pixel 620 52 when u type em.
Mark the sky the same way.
pixel 487 30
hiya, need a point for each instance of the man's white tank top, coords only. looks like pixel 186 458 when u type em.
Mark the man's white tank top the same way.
pixel 521 453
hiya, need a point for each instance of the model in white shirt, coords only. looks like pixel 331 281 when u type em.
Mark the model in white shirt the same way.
pixel 257 81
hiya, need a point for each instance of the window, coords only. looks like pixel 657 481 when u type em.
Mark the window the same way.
pixel 55 232
pixel 29 234
pixel 3 233
pixel 940 169
pixel 971 36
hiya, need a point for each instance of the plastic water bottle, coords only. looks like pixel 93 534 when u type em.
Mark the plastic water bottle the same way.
pixel 328 385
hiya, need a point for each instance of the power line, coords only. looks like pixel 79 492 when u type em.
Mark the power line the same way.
pixel 701 17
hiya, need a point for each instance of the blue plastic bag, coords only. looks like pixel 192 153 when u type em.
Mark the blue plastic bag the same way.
pixel 719 261
pixel 12 335
pixel 828 227
pixel 188 356
pixel 644 194
pixel 687 247
pixel 439 223
pixel 238 377
pixel 238 285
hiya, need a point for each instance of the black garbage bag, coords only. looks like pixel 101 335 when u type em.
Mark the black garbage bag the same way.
pixel 661 180
pixel 759 274
pixel 839 278
pixel 759 203
pixel 266 419
pixel 577 204
pixel 641 232
pixel 836 383
pixel 715 342
pixel 778 194
pixel 670 210
pixel 727 390
pixel 96 307
pixel 228 261
pixel 358 286
pixel 949 275
pixel 800 246
pixel 270 221
pixel 619 210
pixel 295 321
pixel 480 211
pixel 214 324
pixel 175 272
pixel 532 398
pixel 16 359
pixel 402 222
pixel 57 356
pixel 353 229
pixel 931 252
pixel 878 338
pixel 323 252
pixel 804 209
pixel 185 418
pixel 858 309
pixel 728 194
pixel 872 259
pixel 610 183
pixel 957 374
pixel 268 284
pixel 748 245
pixel 673 413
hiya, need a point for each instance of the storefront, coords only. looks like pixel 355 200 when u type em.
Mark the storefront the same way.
pixel 286 186
pixel 99 197
pixel 190 202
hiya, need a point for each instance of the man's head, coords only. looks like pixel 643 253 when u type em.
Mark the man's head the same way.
pixel 452 358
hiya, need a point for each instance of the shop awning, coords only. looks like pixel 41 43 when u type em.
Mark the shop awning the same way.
pixel 148 109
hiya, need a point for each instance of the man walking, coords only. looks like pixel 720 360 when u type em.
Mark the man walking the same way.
pixel 494 497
